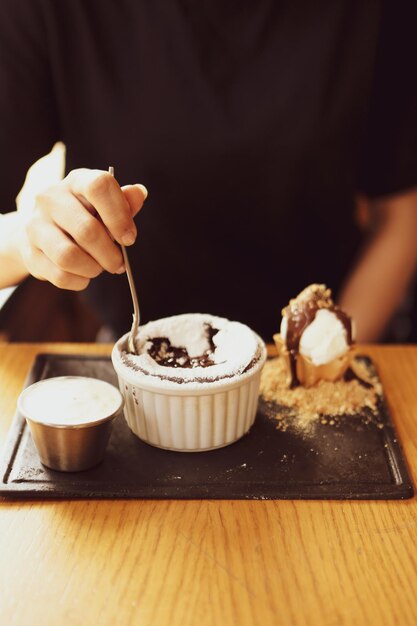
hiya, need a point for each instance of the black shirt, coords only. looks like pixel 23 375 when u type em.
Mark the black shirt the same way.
pixel 253 125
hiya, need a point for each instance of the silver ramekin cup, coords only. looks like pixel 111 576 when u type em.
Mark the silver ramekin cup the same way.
pixel 70 448
pixel 181 418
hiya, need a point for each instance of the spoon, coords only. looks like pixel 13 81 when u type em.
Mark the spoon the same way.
pixel 136 313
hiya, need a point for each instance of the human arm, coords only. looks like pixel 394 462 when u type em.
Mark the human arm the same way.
pixel 12 270
pixel 67 238
pixel 379 281
pixel 387 176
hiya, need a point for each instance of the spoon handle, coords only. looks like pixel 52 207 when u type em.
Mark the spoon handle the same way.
pixel 136 313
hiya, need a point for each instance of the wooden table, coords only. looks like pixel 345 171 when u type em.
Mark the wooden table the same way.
pixel 187 563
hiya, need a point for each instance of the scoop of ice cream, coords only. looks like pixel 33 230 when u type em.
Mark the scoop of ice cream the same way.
pixel 324 339
pixel 315 330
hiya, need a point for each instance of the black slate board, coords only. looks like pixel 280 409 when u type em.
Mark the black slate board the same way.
pixel 354 459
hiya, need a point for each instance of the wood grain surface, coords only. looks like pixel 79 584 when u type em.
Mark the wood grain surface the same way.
pixel 186 563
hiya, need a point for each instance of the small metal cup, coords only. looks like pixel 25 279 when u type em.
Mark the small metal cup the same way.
pixel 70 448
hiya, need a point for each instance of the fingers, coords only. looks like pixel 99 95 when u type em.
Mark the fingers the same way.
pixel 87 231
pixel 102 191
pixel 44 269
pixel 63 252
pixel 71 235
pixel 135 195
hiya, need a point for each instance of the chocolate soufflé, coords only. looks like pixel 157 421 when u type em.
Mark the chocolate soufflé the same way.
pixel 193 384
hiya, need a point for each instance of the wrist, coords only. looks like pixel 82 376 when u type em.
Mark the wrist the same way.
pixel 12 267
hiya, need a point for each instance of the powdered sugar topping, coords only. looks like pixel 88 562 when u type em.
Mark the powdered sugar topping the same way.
pixel 232 349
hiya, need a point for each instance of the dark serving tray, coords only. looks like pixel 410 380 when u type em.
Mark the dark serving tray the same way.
pixel 353 459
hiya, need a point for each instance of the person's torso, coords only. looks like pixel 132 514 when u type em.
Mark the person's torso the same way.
pixel 244 121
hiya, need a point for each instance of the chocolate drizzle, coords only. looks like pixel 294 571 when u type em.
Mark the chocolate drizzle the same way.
pixel 350 374
pixel 301 312
pixel 167 355
pixel 127 360
pixel 346 321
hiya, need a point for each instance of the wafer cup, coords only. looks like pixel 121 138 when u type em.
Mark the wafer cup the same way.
pixel 309 374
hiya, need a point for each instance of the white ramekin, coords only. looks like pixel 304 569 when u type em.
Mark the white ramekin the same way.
pixel 184 417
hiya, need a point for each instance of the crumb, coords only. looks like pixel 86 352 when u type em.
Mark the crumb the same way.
pixel 318 403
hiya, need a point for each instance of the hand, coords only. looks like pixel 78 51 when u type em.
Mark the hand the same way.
pixel 69 238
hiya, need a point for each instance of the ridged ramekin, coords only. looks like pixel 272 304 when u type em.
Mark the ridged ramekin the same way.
pixel 186 417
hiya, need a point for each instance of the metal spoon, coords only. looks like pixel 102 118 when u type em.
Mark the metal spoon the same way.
pixel 136 313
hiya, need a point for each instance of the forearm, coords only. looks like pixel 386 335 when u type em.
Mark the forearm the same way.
pixel 12 269
pixel 378 283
